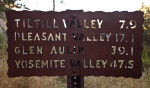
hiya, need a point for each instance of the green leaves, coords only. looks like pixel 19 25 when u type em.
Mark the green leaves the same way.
pixel 146 37
pixel 9 4
pixel 3 39
pixel 146 56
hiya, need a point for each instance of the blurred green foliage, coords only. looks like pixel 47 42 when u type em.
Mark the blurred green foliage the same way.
pixel 9 4
pixel 146 36
pixel 3 40
pixel 146 55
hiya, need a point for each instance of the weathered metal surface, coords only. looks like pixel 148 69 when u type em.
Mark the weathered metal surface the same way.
pixel 95 43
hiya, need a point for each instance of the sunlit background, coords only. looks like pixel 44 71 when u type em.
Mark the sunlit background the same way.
pixel 86 5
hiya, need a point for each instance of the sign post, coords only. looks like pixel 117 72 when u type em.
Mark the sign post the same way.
pixel 74 44
pixel 75 82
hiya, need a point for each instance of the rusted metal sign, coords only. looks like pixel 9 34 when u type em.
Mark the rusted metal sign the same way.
pixel 74 43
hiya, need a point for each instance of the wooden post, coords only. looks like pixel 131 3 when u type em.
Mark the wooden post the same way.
pixel 75 81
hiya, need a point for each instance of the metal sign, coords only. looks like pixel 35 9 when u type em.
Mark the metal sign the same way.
pixel 74 43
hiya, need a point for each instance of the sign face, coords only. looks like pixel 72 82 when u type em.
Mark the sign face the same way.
pixel 74 43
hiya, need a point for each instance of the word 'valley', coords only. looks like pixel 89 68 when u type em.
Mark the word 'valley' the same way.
pixel 52 23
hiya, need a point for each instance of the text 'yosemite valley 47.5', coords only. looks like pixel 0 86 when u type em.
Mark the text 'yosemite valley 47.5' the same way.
pixel 74 43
